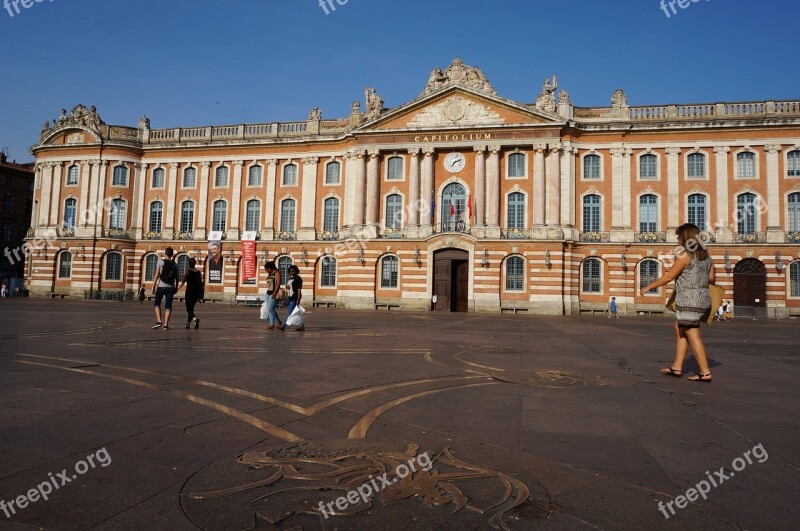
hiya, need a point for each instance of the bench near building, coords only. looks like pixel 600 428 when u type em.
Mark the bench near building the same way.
pixel 458 200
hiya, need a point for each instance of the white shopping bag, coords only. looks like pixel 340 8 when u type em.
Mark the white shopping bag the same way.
pixel 264 313
pixel 296 319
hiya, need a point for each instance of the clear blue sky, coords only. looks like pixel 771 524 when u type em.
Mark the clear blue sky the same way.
pixel 203 62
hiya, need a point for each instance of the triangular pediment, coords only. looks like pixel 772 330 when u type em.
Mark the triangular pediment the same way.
pixel 458 106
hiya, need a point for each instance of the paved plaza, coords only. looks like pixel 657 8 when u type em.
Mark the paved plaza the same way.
pixel 390 420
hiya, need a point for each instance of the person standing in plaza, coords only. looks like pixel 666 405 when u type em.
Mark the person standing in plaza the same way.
pixel 693 272
pixel 273 287
pixel 193 280
pixel 294 292
pixel 612 307
pixel 164 287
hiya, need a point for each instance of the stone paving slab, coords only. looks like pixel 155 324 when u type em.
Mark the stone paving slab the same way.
pixel 534 422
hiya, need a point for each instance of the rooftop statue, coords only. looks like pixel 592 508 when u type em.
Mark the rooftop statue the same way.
pixel 547 98
pixel 458 73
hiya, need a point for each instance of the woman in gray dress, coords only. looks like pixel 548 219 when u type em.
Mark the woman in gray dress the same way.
pixel 692 272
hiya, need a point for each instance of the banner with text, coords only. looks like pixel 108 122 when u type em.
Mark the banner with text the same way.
pixel 214 258
pixel 249 258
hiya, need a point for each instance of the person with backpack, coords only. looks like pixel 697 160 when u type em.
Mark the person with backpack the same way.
pixel 193 280
pixel 164 287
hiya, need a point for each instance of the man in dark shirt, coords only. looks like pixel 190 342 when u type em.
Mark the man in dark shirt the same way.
pixel 294 294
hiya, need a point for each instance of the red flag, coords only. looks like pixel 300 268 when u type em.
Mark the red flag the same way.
pixel 452 209
pixel 469 207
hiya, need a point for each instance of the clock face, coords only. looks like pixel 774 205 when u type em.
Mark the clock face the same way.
pixel 454 162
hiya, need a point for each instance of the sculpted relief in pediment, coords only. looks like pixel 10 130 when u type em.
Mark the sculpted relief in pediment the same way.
pixel 456 111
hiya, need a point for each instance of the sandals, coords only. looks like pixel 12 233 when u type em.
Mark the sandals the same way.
pixel 700 377
pixel 669 371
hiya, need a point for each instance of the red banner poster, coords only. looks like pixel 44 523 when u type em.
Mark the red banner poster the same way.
pixel 249 261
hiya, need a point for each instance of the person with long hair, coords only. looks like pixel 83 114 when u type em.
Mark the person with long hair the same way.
pixel 273 285
pixel 692 272
pixel 294 291
pixel 193 280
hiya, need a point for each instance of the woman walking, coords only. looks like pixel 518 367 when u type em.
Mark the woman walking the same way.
pixel 294 291
pixel 273 285
pixel 692 273
pixel 193 280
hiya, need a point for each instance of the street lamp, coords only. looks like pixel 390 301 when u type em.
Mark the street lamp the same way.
pixel 727 262
pixel 779 261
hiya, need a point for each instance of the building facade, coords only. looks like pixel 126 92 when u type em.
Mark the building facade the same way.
pixel 460 200
pixel 16 205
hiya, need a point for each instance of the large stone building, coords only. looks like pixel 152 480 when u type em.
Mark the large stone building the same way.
pixel 460 196
pixel 16 203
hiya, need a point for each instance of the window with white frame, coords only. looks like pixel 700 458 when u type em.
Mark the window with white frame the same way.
pixel 117 215
pixel 793 219
pixel 72 175
pixel 394 211
pixel 516 165
pixel 290 175
pixel 183 265
pixel 221 177
pixel 591 167
pixel 65 265
pixel 516 211
pixel 747 212
pixel 648 273
pixel 187 216
pixel 113 266
pixel 287 215
pixel 330 220
pixel 189 177
pixel 696 165
pixel 70 213
pixel 333 173
pixel 648 167
pixel 648 213
pixel 592 281
pixel 794 279
pixel 156 215
pixel 394 169
pixel 390 266
pixel 591 213
pixel 150 264
pixel 219 218
pixel 254 175
pixel 158 178
pixel 746 164
pixel 120 177
pixel 696 210
pixel 328 274
pixel 515 273
pixel 252 215
pixel 793 163
pixel 283 266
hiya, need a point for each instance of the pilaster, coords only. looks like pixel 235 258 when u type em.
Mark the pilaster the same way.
pixel 201 230
pixel 309 200
pixel 775 233
pixel 168 229
pixel 724 232
pixel 493 193
pixel 236 201
pixel 268 233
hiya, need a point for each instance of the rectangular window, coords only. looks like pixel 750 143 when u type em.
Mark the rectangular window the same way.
pixel 389 272
pixel 648 213
pixel 746 164
pixel 696 166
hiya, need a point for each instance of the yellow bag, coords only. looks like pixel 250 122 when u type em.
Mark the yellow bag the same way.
pixel 671 306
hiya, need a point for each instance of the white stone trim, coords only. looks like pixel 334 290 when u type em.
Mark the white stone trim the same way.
pixel 756 163
pixel 592 151
pixel 340 162
pixel 526 166
pixel 706 165
pixel 639 156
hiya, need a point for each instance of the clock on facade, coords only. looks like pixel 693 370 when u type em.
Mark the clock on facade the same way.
pixel 454 162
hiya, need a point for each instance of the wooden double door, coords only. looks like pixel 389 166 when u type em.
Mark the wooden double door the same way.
pixel 451 280
pixel 750 283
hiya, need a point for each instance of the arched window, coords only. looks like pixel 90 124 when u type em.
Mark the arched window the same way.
pixel 65 265
pixel 516 211
pixel 120 176
pixel 591 167
pixel 156 215
pixel 117 214
pixel 254 175
pixel 591 213
pixel 220 217
pixel 283 266
pixel 333 173
pixel 515 273
pixel 252 216
pixel 187 216
pixel 290 175
pixel 696 165
pixel 648 273
pixel 331 216
pixel 389 272
pixel 793 163
pixel 747 213
pixel 697 210
pixel 746 164
pixel 158 178
pixel 648 166
pixel 516 165
pixel 150 264
pixel 592 282
pixel 394 211
pixel 793 220
pixel 221 177
pixel 70 212
pixel 72 175
pixel 328 279
pixel 648 213
pixel 183 264
pixel 113 266
pixel 394 170
pixel 189 177
pixel 287 215
pixel 454 202
pixel 794 279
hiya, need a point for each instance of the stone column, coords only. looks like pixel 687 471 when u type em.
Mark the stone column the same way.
pixel 101 178
pixel 539 185
pixel 55 205
pixel 554 186
pixel 361 186
pixel 139 188
pixel 309 200
pixel 493 193
pixel 84 203
pixel 373 187
pixel 775 233
pixel 426 192
pixel 201 223
pixel 568 190
pixel 479 204
pixel 47 185
pixel 236 201
pixel 37 195
pixel 627 191
pixel 269 209
pixel 620 232
pixel 673 193
pixel 724 232
pixel 168 228
pixel 413 206
pixel 349 204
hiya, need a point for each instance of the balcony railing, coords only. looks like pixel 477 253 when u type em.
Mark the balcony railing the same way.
pixel 65 232
pixel 595 237
pixel 650 237
pixel 115 233
pixel 753 237
pixel 393 233
pixel 329 235
pixel 515 234
pixel 452 226
pixel 286 236
pixel 184 236
pixel 152 235
pixel 793 237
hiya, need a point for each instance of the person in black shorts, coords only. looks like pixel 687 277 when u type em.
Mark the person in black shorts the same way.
pixel 193 280
pixel 164 285
pixel 294 293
